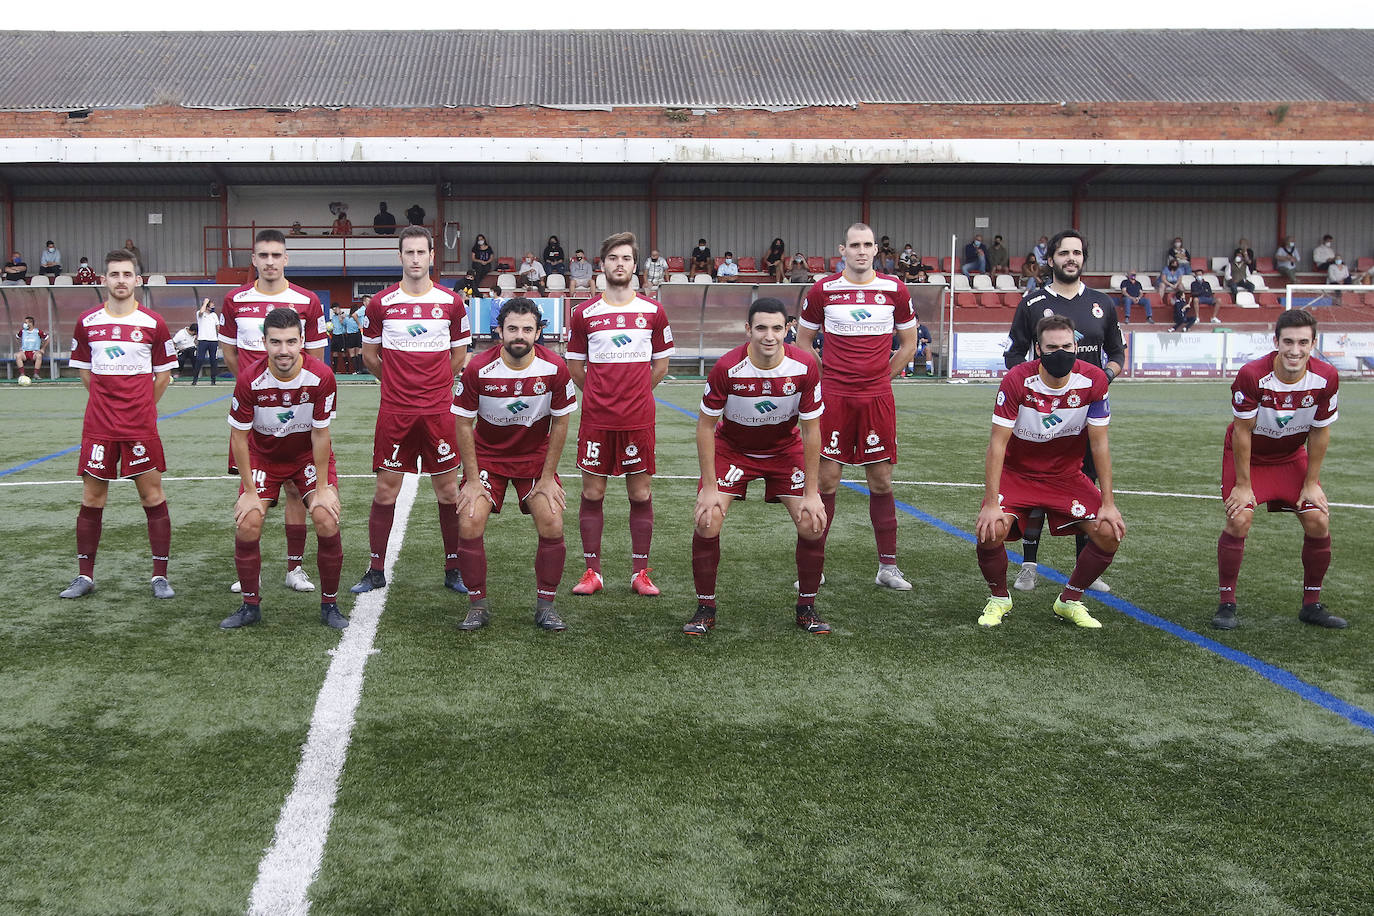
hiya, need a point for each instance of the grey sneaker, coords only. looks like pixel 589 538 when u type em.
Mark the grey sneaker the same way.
pixel 81 585
pixel 477 617
pixel 548 619
pixel 298 581
pixel 330 616
pixel 162 588
pixel 245 616
pixel 891 577
pixel 1025 579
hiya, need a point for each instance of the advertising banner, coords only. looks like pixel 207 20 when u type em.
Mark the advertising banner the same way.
pixel 482 314
pixel 978 355
pixel 1155 355
pixel 1349 351
pixel 1241 347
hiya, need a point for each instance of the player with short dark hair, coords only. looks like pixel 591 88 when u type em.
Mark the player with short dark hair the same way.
pixel 1046 410
pixel 757 395
pixel 1100 343
pixel 241 338
pixel 860 310
pixel 512 410
pixel 618 349
pixel 415 338
pixel 32 343
pixel 125 356
pixel 1284 404
pixel 279 431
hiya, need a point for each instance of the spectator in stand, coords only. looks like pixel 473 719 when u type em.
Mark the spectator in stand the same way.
pixel 728 271
pixel 1322 256
pixel 1286 259
pixel 655 271
pixel 1171 279
pixel 1200 294
pixel 1185 313
pixel 907 262
pixel 554 258
pixel 1243 246
pixel 798 272
pixel 342 225
pixel 1178 252
pixel 468 286
pixel 531 272
pixel 1132 293
pixel 140 265
pixel 1338 272
pixel 775 261
pixel 1237 276
pixel 16 270
pixel 999 259
pixel 700 260
pixel 296 230
pixel 184 342
pixel 921 275
pixel 415 215
pixel 50 261
pixel 85 276
pixel 975 256
pixel 384 223
pixel 580 272
pixel 483 259
pixel 1041 251
pixel 885 262
pixel 1030 272
pixel 1366 278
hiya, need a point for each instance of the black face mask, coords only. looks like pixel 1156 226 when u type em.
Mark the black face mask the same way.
pixel 1058 363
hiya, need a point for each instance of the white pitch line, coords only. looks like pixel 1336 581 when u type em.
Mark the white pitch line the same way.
pixel 292 863
pixel 572 472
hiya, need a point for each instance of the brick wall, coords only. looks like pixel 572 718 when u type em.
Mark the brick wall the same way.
pixel 1121 121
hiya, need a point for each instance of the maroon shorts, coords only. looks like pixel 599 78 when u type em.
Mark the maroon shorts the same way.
pixel 400 441
pixel 1066 502
pixel 1278 486
pixel 615 452
pixel 269 476
pixel 103 458
pixel 28 356
pixel 782 475
pixel 496 484
pixel 859 431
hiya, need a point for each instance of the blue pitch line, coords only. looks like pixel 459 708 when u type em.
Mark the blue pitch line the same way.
pixel 682 410
pixel 72 448
pixel 1287 680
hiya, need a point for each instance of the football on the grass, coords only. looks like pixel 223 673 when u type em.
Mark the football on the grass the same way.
pixel 25 380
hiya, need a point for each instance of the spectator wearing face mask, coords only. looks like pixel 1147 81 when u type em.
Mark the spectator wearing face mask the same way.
pixel 728 271
pixel 1286 259
pixel 797 271
pixel 1323 255
pixel 1178 252
pixel 50 261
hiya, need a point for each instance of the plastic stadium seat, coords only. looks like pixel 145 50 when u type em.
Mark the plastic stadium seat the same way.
pixel 1146 282
pixel 1362 264
pixel 835 264
pixel 1264 265
pixel 1017 263
pixel 815 277
pixel 1011 300
pixel 699 278
pixel 557 282
pixel 982 282
pixel 1258 280
pixel 1212 281
pixel 989 299
pixel 719 261
pixel 1268 300
pixel 961 283
pixel 506 264
pixel 1117 280
pixel 965 300
pixel 62 280
pixel 816 264
pixel 1246 299
pixel 677 265
pixel 1005 281
pixel 1223 298
pixel 1218 264
pixel 601 281
pixel 748 266
pixel 1200 263
pixel 40 280
pixel 936 278
pixel 634 281
pixel 677 277
pixel 947 265
pixel 505 282
pixel 153 280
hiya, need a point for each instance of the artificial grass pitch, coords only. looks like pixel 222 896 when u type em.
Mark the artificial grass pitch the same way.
pixel 909 763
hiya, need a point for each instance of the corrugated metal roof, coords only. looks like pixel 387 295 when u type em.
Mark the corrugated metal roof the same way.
pixel 687 69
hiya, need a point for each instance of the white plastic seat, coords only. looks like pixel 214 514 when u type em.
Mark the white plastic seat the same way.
pixel 1117 280
pixel 505 282
pixel 634 281
pixel 557 282
pixel 936 277
pixel 815 277
pixel 1212 281
pixel 982 282
pixel 677 278
pixel 1218 264
pixel 40 280
pixel 1147 282
pixel 961 284
pixel 1004 282
pixel 156 280
pixel 1246 299
pixel 601 281
pixel 1258 280
pixel 62 280
pixel 702 278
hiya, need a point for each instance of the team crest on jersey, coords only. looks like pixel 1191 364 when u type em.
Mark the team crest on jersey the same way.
pixel 880 299
pixel 114 332
pixel 1308 400
pixel 136 335
pixel 539 387
pixel 1097 310
pixel 859 296
pixel 305 397
pixel 1239 397
pixel 443 448
pixel 1078 510
pixel 631 450
pixel 516 391
pixel 1049 312
pixel 788 387
pixel 286 399
pixel 872 438
pixel 1074 400
pixel 620 321
pixel 139 450
pixel 436 312
pixel 767 387
pixel 459 390
pixel 640 322
pixel 416 313
pixel 798 476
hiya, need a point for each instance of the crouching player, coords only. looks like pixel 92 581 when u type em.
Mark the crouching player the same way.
pixel 756 397
pixel 1044 410
pixel 519 395
pixel 279 419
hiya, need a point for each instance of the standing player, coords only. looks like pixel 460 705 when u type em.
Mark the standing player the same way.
pixel 279 422
pixel 1099 342
pixel 1284 404
pixel 1046 410
pixel 756 396
pixel 32 343
pixel 859 310
pixel 618 349
pixel 125 356
pixel 415 338
pixel 245 353
pixel 519 395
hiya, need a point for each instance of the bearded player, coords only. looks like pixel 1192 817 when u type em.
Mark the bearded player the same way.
pixel 513 405
pixel 757 396
pixel 125 356
pixel 279 431
pixel 241 336
pixel 618 349
pixel 415 338
pixel 1284 404
pixel 859 309
pixel 1045 411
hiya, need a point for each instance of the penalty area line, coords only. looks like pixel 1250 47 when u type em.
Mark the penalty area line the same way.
pixel 292 863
